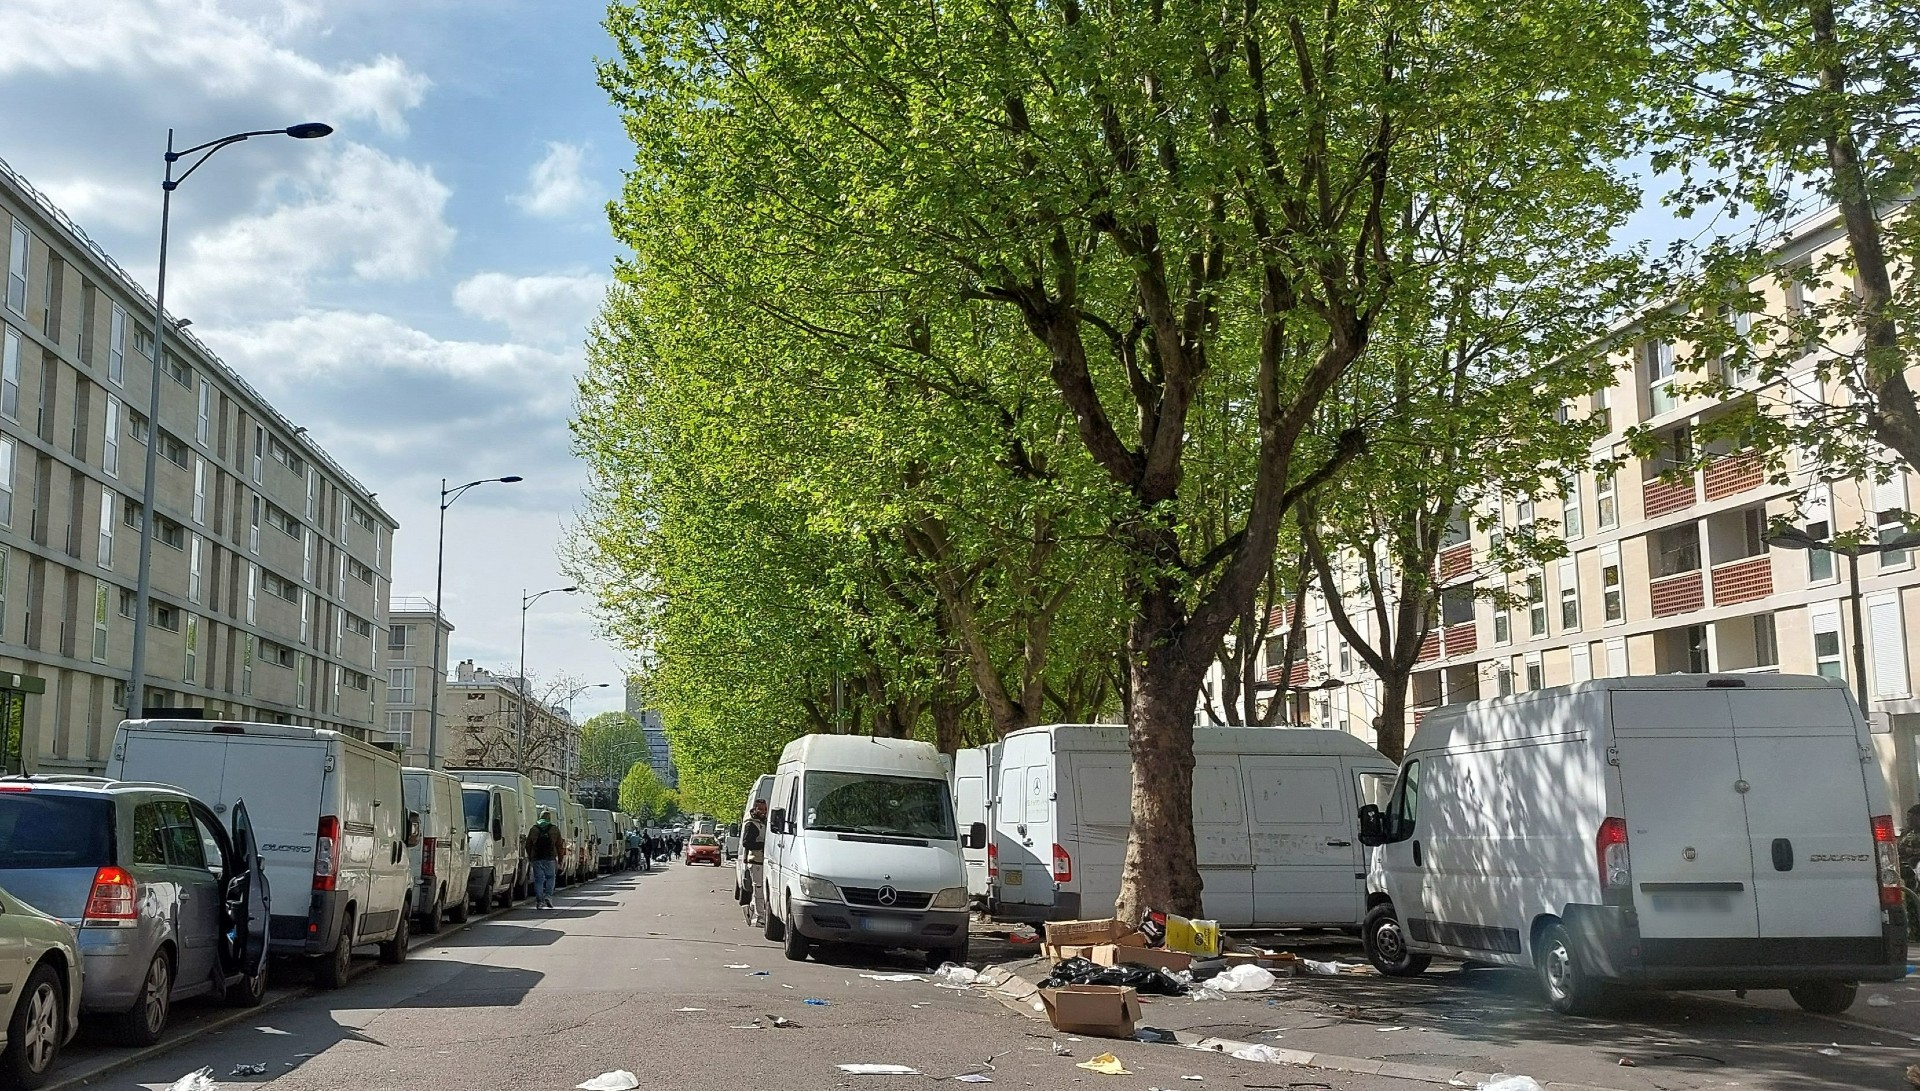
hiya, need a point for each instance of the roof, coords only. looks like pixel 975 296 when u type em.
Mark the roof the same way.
pixel 865 753
pixel 1211 739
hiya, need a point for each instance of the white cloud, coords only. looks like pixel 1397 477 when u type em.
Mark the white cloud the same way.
pixel 554 307
pixel 240 50
pixel 556 186
pixel 355 210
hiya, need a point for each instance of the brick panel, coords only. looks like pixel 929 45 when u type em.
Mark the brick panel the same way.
pixel 1661 497
pixel 1461 639
pixel 1677 594
pixel 1743 580
pixel 1456 561
pixel 1733 474
pixel 1429 648
pixel 1299 675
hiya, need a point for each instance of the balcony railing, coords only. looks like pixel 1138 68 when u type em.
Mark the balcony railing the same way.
pixel 1677 594
pixel 1660 497
pixel 1743 580
pixel 1733 474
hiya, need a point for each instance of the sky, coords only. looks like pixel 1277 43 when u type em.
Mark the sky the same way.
pixel 415 289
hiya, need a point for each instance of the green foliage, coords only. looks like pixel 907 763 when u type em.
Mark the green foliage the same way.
pixel 643 796
pixel 610 743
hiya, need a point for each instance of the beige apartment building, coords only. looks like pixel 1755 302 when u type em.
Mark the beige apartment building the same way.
pixel 412 672
pixel 1663 576
pixel 485 709
pixel 270 561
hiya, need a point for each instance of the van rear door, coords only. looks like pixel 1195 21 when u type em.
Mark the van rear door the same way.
pixel 1808 812
pixel 1024 821
pixel 1306 857
pixel 1223 845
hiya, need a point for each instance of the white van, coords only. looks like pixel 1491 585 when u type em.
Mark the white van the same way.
pixel 571 819
pixel 1274 823
pixel 861 848
pixel 1762 844
pixel 330 814
pixel 974 770
pixel 440 859
pixel 522 795
pixel 603 835
pixel 495 844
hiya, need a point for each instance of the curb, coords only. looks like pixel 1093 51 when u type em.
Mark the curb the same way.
pixel 1017 993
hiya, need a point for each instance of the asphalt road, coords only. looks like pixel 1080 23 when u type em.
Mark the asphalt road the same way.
pixel 531 1000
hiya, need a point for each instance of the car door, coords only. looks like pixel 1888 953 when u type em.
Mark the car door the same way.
pixel 1222 844
pixel 248 900
pixel 197 884
pixel 1399 863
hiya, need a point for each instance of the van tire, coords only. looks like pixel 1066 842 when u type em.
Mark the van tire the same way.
pixel 796 946
pixel 774 929
pixel 331 970
pixel 1568 987
pixel 394 951
pixel 430 920
pixel 505 898
pixel 1825 997
pixel 145 1020
pixel 459 911
pixel 1386 944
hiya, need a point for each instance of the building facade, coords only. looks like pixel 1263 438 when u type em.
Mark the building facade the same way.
pixel 270 562
pixel 486 712
pixel 659 751
pixel 412 673
pixel 1664 573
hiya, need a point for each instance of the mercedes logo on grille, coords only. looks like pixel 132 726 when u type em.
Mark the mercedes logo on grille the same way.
pixel 888 895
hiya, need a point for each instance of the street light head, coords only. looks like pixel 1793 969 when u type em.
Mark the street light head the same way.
pixel 570 590
pixel 309 130
pixel 509 479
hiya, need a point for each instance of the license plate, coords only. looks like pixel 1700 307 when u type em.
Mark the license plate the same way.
pixel 889 925
pixel 1011 877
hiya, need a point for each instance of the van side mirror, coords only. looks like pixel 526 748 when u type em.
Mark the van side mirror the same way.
pixel 413 829
pixel 977 836
pixel 777 820
pixel 1373 825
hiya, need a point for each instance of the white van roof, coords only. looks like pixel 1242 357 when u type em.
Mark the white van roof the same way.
pixel 1214 740
pixel 866 754
pixel 248 729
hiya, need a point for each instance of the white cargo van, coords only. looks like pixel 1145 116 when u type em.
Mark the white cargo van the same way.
pixel 1274 823
pixel 862 849
pixel 495 844
pixel 1680 831
pixel 742 865
pixel 440 859
pixel 330 815
pixel 973 793
pixel 522 796
pixel 602 833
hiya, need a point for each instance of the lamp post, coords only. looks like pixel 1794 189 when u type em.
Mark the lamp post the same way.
pixel 1795 538
pixel 577 691
pixel 1282 687
pixel 447 497
pixel 526 710
pixel 137 670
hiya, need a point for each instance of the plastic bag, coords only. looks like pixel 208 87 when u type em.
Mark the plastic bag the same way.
pixel 1245 978
pixel 1503 1082
pixel 1263 1054
pixel 195 1081
pixel 617 1080
pixel 955 976
pixel 1191 937
pixel 1144 979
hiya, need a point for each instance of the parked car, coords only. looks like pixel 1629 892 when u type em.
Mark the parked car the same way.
pixel 742 867
pixel 1763 851
pixel 42 974
pixel 704 848
pixel 439 861
pixel 861 848
pixel 166 902
pixel 1274 823
pixel 522 788
pixel 332 821
pixel 495 853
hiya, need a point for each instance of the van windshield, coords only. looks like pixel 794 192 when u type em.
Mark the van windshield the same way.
pixel 879 805
pixel 475 800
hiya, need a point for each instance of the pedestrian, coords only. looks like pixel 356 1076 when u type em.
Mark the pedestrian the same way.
pixel 545 847
pixel 633 849
pixel 753 845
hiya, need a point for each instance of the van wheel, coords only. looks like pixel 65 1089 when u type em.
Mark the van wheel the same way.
pixel 144 1022
pixel 430 920
pixel 774 929
pixel 797 945
pixel 1386 944
pixel 1569 988
pixel 36 1030
pixel 331 971
pixel 459 911
pixel 394 951
pixel 1825 997
pixel 505 898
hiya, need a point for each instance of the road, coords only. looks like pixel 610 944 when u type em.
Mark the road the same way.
pixel 530 1000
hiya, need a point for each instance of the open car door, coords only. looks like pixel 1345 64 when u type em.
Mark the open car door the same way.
pixel 247 907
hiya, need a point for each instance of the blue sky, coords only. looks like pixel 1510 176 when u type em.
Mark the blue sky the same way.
pixel 414 289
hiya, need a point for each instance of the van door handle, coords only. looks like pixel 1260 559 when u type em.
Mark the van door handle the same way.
pixel 1340 844
pixel 1782 854
pixel 1416 854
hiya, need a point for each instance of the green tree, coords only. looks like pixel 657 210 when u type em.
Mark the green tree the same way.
pixel 643 796
pixel 610 744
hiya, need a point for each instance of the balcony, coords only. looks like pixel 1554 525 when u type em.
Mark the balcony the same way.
pixel 1460 639
pixel 1677 594
pixel 1743 580
pixel 1660 497
pixel 1732 474
pixel 1455 561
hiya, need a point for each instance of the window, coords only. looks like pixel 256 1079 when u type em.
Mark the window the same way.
pixel 170 532
pixel 1502 624
pixel 400 685
pixel 1606 508
pixel 1346 659
pixel 166 617
pixel 1523 511
pixel 284 455
pixel 1497 524
pixel 1657 357
pixel 1456 606
pixel 1613 597
pixel 1601 405
pixel 101 613
pixel 17 269
pixel 313 493
pixel 198 545
pixel 1890 519
pixel 1572 526
pixel 359 571
pixel 1569 597
pixel 5 555
pixel 284 522
pixel 110 454
pixel 203 422
pixel 1458 532
pixel 137 425
pixel 117 348
pixel 175 451
pixel 129 604
pixel 1826 644
pixel 10 375
pixel 277 654
pixel 400 726
pixel 149 835
pixel 1536 673
pixel 306 615
pixel 200 490
pixel 1676 550
pixel 253 530
pixel 253 587
pixel 360 626
pixel 1537 604
pixel 108 501
pixel 306 559
pixel 1696 638
pixel 361 517
pixel 143 342
pixel 1739 369
pixel 1889 649
pixel 280 587
pixel 259 452
pixel 6 481
pixel 300 673
pixel 1503 675
pixel 399 637
pixel 356 680
pixel 1766 643
pixel 1804 334
pixel 1818 506
pixel 179 370
pixel 246 666
pixel 1676 452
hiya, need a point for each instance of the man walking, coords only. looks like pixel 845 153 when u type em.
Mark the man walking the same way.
pixel 753 843
pixel 633 849
pixel 545 846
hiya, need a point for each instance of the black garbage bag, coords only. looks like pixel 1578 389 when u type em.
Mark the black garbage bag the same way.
pixel 1144 979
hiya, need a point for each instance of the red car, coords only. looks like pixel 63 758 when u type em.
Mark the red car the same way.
pixel 704 848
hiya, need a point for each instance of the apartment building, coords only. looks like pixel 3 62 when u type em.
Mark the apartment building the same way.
pixel 412 672
pixel 1663 576
pixel 484 711
pixel 270 562
pixel 659 751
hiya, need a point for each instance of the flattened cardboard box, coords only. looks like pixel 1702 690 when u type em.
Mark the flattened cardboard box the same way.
pixel 1071 933
pixel 1097 1011
pixel 1110 954
pixel 1060 954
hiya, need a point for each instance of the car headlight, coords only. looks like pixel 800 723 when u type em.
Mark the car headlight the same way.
pixel 818 890
pixel 954 897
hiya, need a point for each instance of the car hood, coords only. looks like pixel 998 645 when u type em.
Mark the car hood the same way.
pixel 929 865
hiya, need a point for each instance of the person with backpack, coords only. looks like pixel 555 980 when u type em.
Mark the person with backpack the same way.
pixel 545 847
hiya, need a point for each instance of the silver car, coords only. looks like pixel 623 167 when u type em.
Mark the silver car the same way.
pixel 40 971
pixel 168 902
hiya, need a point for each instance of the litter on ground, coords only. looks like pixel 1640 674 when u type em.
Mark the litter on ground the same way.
pixel 741 966
pixel 1504 1082
pixel 1262 1054
pixel 617 1080
pixel 1245 978
pixel 195 1081
pixel 973 1077
pixel 1106 1064
pixel 815 1002
pixel 1879 1002
pixel 689 1009
pixel 878 1070
pixel 248 1070
pixel 272 1030
pixel 893 977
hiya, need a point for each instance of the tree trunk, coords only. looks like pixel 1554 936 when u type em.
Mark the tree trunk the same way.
pixel 1162 868
pixel 1390 726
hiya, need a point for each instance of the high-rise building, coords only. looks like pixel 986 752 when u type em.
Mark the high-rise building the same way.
pixel 270 561
pixel 659 750
pixel 412 671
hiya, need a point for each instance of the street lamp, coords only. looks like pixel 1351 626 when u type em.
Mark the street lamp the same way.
pixel 447 497
pixel 526 712
pixel 137 672
pixel 1794 538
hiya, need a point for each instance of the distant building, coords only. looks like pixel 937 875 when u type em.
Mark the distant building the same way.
pixel 659 751
pixel 484 713
pixel 412 672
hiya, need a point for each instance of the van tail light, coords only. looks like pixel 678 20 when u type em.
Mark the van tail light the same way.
pixel 326 854
pixel 1887 855
pixel 1610 849
pixel 115 896
pixel 426 857
pixel 993 861
pixel 1062 865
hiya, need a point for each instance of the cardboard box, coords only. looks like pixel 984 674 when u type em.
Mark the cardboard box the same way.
pixel 1113 954
pixel 1070 933
pixel 1241 958
pixel 1131 939
pixel 1057 952
pixel 1097 1011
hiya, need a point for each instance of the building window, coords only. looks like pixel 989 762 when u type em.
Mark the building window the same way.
pixel 1572 526
pixel 179 371
pixel 1613 598
pixel 6 481
pixel 1827 661
pixel 1766 643
pixel 399 637
pixel 360 626
pixel 200 490
pixel 1657 357
pixel 108 501
pixel 284 522
pixel 165 617
pixel 203 422
pixel 1819 511
pixel 313 493
pixel 110 454
pixel 400 726
pixel 193 568
pixel 253 530
pixel 1606 507
pixel 300 673
pixel 306 559
pixel 175 451
pixel 1497 524
pixel 1346 660
pixel 1569 597
pixel 17 270
pixel 1537 604
pixel 1502 624
pixel 359 571
pixel 246 666
pixel 1804 330
pixel 1503 676
pixel 253 589
pixel 10 375
pixel 101 613
pixel 117 348
pixel 280 587
pixel 1741 368
pixel 1890 519
pixel 400 685
pixel 129 604
pixel 137 425
pixel 1536 673
pixel 192 671
pixel 361 517
pixel 1676 550
pixel 1889 647
pixel 1601 404
pixel 1696 637
pixel 259 452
